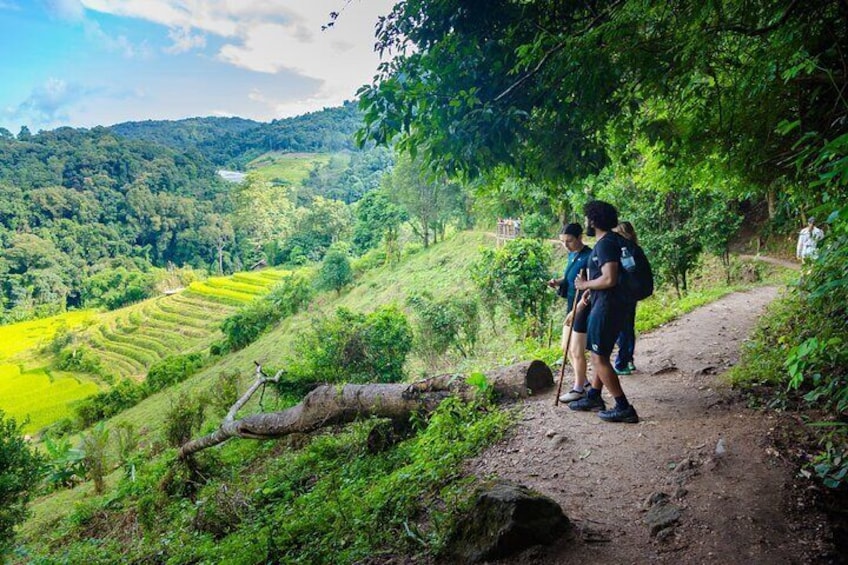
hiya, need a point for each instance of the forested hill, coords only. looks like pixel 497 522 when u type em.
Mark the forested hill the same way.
pixel 184 134
pixel 76 202
pixel 233 142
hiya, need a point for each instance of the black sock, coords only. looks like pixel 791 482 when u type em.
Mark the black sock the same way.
pixel 593 392
pixel 621 402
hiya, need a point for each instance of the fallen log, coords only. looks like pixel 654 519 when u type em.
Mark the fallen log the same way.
pixel 331 404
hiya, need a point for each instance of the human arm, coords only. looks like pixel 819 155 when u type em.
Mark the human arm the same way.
pixel 608 278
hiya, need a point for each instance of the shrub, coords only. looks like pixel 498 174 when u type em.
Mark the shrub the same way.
pixel 224 393
pixel 285 299
pixel 172 370
pixel 183 419
pixel 106 404
pixel 20 469
pixel 444 324
pixel 537 225
pixel 351 347
pixel 514 276
pixel 336 272
pixel 94 446
pixel 80 360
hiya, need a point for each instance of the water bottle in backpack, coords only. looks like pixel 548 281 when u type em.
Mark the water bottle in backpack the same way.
pixel 627 260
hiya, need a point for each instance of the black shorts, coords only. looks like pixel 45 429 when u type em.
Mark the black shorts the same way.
pixel 604 324
pixel 581 319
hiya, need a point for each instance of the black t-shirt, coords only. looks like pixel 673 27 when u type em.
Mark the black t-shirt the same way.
pixel 606 250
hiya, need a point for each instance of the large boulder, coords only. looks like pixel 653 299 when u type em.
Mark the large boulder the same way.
pixel 505 519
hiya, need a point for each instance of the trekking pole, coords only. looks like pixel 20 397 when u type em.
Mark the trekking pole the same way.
pixel 567 346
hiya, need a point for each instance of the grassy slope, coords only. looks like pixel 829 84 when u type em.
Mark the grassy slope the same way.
pixel 288 168
pixel 442 270
pixel 127 341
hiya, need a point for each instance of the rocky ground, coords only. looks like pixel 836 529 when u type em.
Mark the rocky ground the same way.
pixel 698 480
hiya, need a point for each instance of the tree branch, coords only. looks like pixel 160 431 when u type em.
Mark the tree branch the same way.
pixel 330 404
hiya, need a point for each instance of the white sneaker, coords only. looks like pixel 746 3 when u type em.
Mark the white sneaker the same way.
pixel 572 395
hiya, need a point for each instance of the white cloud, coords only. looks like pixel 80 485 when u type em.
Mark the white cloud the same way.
pixel 48 104
pixel 271 36
pixel 118 44
pixel 184 40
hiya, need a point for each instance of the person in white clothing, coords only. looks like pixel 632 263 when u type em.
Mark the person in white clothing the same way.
pixel 808 241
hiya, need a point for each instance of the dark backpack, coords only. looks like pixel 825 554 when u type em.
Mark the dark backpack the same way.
pixel 638 278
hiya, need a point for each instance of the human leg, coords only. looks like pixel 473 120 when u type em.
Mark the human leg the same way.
pixel 626 341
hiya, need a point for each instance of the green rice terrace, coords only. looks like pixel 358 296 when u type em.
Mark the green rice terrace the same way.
pixel 127 342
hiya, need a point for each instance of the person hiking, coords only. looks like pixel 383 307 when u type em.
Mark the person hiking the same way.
pixel 578 255
pixel 627 337
pixel 808 241
pixel 606 299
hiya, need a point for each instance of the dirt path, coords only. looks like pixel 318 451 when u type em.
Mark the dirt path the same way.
pixel 695 443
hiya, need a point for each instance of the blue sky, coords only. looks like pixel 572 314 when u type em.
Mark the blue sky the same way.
pixel 84 63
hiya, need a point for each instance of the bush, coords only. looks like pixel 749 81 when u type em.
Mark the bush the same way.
pixel 443 324
pixel 20 470
pixel 79 360
pixel 106 404
pixel 287 297
pixel 94 446
pixel 183 419
pixel 336 272
pixel 514 276
pixel 351 347
pixel 537 225
pixel 172 370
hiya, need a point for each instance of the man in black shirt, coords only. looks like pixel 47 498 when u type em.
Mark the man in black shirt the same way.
pixel 606 299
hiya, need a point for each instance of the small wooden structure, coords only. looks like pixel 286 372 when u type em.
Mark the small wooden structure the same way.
pixel 508 228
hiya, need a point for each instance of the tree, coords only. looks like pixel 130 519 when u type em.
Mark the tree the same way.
pixel 217 231
pixel 332 404
pixel 20 471
pixel 377 219
pixel 335 273
pixel 429 199
pixel 513 277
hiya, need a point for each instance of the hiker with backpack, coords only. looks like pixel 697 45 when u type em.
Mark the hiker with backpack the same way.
pixel 578 256
pixel 632 259
pixel 607 298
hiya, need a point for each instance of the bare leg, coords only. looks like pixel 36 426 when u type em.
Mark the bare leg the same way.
pixel 577 354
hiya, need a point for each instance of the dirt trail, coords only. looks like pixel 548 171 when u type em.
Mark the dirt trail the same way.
pixel 738 506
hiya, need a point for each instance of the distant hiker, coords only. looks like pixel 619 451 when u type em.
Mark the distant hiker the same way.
pixel 808 241
pixel 606 300
pixel 578 256
pixel 627 337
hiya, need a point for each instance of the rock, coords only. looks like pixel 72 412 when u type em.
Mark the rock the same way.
pixel 661 516
pixel 506 518
pixel 658 497
pixel 665 534
pixel 550 433
pixel 558 440
pixel 680 493
pixel 665 370
pixel 708 370
pixel 720 449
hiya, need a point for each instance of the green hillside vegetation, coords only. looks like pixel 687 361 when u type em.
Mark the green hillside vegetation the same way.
pixel 392 486
pixel 289 169
pixel 121 344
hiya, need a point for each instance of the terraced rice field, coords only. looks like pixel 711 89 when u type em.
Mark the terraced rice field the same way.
pixel 132 339
pixel 39 396
pixel 127 341
pixel 36 393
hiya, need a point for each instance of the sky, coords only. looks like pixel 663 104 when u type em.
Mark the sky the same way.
pixel 84 63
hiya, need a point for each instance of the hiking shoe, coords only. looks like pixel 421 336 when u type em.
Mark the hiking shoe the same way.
pixel 625 371
pixel 587 404
pixel 631 367
pixel 627 415
pixel 572 395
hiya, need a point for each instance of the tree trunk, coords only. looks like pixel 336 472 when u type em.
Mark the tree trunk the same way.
pixel 771 198
pixel 330 404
